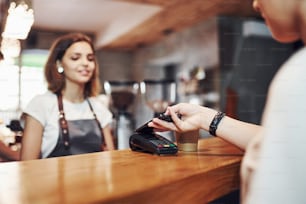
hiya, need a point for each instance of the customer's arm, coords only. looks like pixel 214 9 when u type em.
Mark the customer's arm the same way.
pixel 237 132
pixel 199 117
pixel 32 139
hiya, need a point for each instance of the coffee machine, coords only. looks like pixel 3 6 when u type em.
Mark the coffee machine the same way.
pixel 158 95
pixel 122 95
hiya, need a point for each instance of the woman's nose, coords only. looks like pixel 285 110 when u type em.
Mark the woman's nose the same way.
pixel 85 61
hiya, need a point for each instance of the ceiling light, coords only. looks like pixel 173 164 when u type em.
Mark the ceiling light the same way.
pixel 19 21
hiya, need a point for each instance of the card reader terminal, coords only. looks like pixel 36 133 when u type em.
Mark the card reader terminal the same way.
pixel 145 140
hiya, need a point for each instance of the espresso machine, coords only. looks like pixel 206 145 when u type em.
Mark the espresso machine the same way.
pixel 158 95
pixel 122 95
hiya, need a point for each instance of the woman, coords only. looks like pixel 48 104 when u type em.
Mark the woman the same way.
pixel 275 159
pixel 68 119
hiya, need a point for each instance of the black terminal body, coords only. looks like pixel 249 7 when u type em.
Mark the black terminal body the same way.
pixel 145 140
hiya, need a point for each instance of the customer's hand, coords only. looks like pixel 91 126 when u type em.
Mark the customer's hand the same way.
pixel 193 117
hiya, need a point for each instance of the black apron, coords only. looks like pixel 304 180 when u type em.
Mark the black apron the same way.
pixel 77 136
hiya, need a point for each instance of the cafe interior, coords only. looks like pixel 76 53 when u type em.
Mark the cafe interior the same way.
pixel 151 54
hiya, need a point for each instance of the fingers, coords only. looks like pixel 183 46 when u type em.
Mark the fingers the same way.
pixel 162 125
pixel 160 130
pixel 174 115
pixel 174 108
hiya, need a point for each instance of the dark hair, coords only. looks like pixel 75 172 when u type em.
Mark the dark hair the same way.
pixel 55 80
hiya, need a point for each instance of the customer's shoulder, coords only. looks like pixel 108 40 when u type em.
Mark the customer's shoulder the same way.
pixel 298 57
pixel 291 76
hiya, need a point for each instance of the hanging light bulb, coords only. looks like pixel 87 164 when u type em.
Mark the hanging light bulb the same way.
pixel 19 21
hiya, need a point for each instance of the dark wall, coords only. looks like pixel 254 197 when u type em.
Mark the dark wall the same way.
pixel 248 64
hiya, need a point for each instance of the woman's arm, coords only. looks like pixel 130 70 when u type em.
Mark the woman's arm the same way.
pixel 32 139
pixel 108 138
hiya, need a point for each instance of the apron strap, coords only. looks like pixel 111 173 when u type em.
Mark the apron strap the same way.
pixel 62 121
pixel 96 119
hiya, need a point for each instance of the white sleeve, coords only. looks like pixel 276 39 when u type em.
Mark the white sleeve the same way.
pixel 37 108
pixel 280 175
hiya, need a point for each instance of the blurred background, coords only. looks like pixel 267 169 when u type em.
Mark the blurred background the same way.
pixel 214 53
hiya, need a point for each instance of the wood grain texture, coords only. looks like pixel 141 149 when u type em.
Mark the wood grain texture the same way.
pixel 175 16
pixel 124 177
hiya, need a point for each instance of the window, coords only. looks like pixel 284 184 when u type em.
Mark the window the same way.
pixel 19 86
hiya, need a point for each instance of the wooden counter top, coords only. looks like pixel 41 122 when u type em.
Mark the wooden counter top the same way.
pixel 124 177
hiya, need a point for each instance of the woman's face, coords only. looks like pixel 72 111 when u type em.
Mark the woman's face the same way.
pixel 78 63
pixel 280 17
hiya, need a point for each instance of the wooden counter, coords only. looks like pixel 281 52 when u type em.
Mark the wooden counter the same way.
pixel 124 177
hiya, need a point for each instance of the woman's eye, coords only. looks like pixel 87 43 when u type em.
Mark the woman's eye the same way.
pixel 91 58
pixel 75 58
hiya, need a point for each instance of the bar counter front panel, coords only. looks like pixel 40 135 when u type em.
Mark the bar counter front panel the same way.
pixel 124 176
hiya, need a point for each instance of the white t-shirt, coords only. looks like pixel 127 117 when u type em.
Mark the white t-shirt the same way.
pixel 274 166
pixel 44 108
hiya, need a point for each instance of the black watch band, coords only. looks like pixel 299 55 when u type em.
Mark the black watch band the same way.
pixel 215 122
